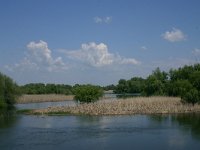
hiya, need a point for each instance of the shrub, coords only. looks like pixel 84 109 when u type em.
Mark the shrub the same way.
pixel 87 93
pixel 8 91
pixel 192 96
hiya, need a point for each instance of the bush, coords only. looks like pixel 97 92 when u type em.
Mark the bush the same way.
pixel 8 91
pixel 87 93
pixel 191 96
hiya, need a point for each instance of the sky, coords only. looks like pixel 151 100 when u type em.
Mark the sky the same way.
pixel 96 41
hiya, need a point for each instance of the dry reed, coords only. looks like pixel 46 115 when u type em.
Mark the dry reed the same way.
pixel 139 105
pixel 44 98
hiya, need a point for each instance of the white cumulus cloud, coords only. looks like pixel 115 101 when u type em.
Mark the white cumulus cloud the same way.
pixel 174 35
pixel 97 55
pixel 39 57
pixel 106 19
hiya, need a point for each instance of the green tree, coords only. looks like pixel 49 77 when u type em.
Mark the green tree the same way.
pixel 176 82
pixel 135 85
pixel 160 75
pixel 153 86
pixel 192 96
pixel 195 79
pixel 179 87
pixel 109 87
pixel 40 88
pixel 87 93
pixel 122 87
pixel 9 91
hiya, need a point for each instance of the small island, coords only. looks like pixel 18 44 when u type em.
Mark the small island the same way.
pixel 130 106
pixel 176 91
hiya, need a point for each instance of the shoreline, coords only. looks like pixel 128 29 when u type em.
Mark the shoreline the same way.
pixel 38 98
pixel 130 106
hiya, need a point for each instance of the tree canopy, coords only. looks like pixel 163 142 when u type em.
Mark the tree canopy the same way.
pixel 41 88
pixel 87 93
pixel 183 82
pixel 9 91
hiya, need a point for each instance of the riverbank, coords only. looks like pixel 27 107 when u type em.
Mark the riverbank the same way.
pixel 138 105
pixel 43 98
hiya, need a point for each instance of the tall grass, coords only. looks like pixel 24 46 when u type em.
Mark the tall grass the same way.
pixel 138 105
pixel 43 98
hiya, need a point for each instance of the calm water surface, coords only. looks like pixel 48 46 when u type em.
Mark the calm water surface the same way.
pixel 166 132
pixel 178 132
pixel 44 104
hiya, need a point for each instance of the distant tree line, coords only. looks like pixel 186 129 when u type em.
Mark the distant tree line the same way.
pixel 9 91
pixel 109 87
pixel 183 82
pixel 40 88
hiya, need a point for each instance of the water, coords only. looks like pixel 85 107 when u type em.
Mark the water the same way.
pixel 48 104
pixel 178 132
pixel 44 105
pixel 166 132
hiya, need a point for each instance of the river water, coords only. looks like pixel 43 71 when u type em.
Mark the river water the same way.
pixel 166 132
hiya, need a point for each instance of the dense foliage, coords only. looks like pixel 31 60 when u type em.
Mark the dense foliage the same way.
pixel 109 87
pixel 40 88
pixel 8 92
pixel 87 93
pixel 183 82
pixel 134 85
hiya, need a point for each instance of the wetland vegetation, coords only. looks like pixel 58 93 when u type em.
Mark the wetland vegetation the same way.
pixel 176 91
pixel 130 106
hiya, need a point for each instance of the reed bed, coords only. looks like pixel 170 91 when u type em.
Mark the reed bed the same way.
pixel 43 98
pixel 139 105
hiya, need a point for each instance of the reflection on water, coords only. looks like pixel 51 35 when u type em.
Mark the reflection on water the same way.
pixel 7 118
pixel 44 105
pixel 101 132
pixel 189 123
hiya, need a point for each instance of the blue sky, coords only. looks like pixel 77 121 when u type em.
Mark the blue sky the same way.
pixel 96 41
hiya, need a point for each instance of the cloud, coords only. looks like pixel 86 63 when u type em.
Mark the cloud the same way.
pixel 106 19
pixel 128 61
pixel 171 62
pixel 97 55
pixel 98 20
pixel 196 52
pixel 175 35
pixel 40 52
pixel 39 57
pixel 143 48
pixel 24 64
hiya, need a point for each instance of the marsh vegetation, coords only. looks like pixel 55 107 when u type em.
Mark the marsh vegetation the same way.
pixel 38 98
pixel 138 105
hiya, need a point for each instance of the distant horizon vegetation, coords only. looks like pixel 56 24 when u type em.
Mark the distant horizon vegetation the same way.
pixel 183 82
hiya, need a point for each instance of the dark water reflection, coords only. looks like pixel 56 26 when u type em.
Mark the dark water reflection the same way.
pixel 190 123
pixel 7 117
pixel 101 132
